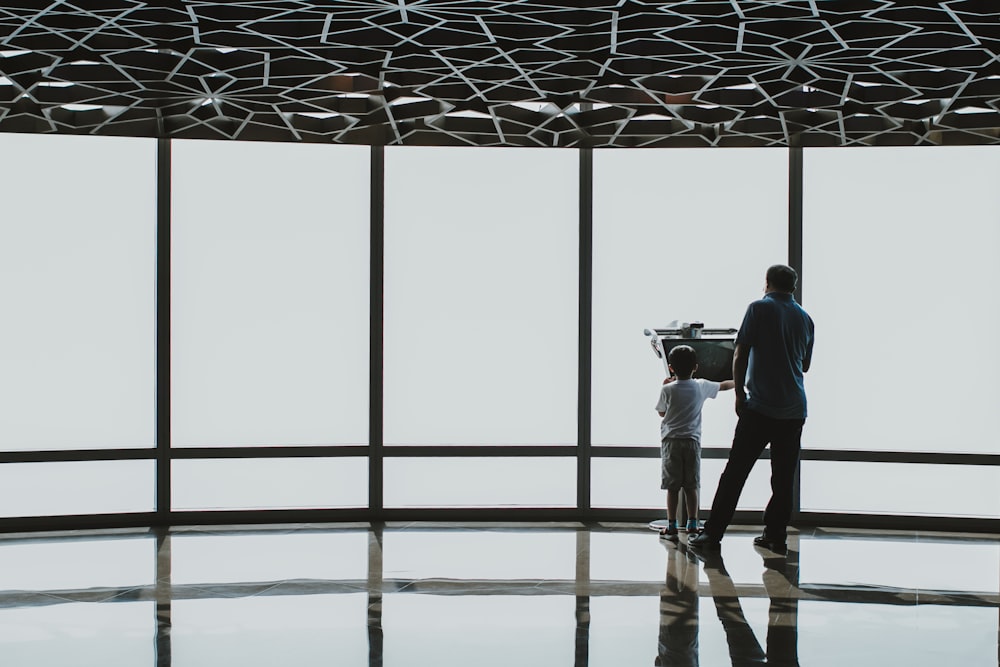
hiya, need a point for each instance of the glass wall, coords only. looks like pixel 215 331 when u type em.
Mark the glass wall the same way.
pixel 270 316
pixel 900 248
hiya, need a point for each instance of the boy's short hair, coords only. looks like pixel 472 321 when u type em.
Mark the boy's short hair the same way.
pixel 683 359
pixel 782 278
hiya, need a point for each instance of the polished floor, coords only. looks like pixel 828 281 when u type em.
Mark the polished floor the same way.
pixel 492 595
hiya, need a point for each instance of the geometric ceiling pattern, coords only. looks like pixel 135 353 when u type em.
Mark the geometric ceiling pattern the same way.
pixel 622 73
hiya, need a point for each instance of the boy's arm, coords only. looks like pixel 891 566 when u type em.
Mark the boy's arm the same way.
pixel 662 403
pixel 726 385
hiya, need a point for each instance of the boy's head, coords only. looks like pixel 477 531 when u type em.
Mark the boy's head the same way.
pixel 683 361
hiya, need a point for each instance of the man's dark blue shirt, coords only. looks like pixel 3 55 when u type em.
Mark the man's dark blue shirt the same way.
pixel 779 336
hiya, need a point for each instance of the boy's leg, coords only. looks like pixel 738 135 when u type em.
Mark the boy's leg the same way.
pixel 692 482
pixel 691 500
pixel 671 504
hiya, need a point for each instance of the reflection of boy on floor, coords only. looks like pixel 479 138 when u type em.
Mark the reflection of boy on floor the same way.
pixel 681 400
pixel 678 638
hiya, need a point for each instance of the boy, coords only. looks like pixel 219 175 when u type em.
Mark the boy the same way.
pixel 681 400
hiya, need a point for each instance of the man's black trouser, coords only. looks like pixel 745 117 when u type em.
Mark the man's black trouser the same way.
pixel 753 433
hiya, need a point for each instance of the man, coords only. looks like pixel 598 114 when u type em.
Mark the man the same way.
pixel 773 349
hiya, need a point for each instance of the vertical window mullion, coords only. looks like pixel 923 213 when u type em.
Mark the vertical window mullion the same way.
pixel 795 261
pixel 376 352
pixel 163 296
pixel 585 270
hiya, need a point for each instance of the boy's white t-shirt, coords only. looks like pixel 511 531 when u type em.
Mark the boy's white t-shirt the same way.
pixel 682 401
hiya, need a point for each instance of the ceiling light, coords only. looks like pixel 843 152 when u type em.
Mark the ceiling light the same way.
pixel 403 99
pixel 531 106
pixel 969 110
pixel 468 114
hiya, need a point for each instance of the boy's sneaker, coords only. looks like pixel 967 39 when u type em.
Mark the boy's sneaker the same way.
pixel 669 531
pixel 765 542
pixel 692 527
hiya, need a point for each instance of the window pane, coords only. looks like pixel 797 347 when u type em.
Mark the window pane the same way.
pixel 238 484
pixel 636 483
pixel 901 275
pixel 481 296
pixel 78 266
pixel 270 294
pixel 682 235
pixel 900 488
pixel 84 487
pixel 486 482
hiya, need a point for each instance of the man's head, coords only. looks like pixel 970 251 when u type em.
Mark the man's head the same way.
pixel 683 361
pixel 781 278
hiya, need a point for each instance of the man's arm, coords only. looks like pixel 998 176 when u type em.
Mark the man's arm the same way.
pixel 741 360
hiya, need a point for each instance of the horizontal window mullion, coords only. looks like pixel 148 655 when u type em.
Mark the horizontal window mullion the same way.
pixel 59 456
pixel 947 458
pixel 296 451
pixel 450 451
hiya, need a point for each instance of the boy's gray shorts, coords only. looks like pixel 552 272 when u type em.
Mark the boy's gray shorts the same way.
pixel 680 460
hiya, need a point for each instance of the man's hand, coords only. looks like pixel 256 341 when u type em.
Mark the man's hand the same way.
pixel 741 400
pixel 669 380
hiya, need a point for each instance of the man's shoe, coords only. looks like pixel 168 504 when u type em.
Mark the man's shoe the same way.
pixel 765 542
pixel 704 541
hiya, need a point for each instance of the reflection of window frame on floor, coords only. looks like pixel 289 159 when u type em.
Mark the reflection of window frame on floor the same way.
pixel 780 585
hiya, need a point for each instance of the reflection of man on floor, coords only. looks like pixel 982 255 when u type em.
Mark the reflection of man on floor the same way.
pixel 678 640
pixel 782 626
